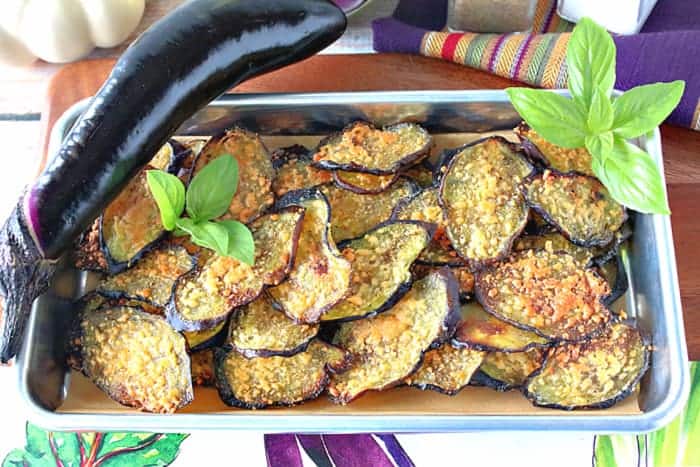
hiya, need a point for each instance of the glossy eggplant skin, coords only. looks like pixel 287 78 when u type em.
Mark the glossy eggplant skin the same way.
pixel 182 62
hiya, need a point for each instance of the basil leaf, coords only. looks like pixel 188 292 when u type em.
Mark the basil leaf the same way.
pixel 169 193
pixel 600 146
pixel 643 108
pixel 556 118
pixel 590 61
pixel 600 114
pixel 632 178
pixel 206 234
pixel 240 243
pixel 211 191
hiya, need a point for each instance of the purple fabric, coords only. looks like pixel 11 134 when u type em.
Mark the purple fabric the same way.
pixel 667 49
pixel 356 451
pixel 314 447
pixel 396 450
pixel 662 56
pixel 282 451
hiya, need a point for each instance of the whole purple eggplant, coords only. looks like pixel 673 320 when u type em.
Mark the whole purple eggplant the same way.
pixel 175 68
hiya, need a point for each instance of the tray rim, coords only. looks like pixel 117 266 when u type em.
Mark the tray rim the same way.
pixel 672 404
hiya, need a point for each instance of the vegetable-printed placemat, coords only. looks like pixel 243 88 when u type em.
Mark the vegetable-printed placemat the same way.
pixel 24 444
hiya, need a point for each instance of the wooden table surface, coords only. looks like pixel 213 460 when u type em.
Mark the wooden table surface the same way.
pixel 402 72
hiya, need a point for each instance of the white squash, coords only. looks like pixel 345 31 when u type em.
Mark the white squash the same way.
pixel 61 31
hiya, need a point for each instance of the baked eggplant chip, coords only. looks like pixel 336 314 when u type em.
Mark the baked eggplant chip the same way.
pixel 293 170
pixel 545 292
pixel 361 147
pixel 424 206
pixel 554 241
pixel 381 262
pixel 593 374
pixel 483 205
pixel 152 279
pixel 446 369
pixel 480 330
pixel 130 225
pixel 615 274
pixel 320 277
pixel 260 330
pixel 135 357
pixel 364 183
pixel 354 214
pixel 170 157
pixel 256 383
pixel 388 347
pixel 206 296
pixel 421 173
pixel 198 340
pixel 580 207
pixel 509 370
pixel 464 276
pixel 563 160
pixel 255 173
pixel 202 368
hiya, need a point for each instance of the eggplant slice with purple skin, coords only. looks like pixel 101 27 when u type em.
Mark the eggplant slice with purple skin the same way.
pixel 258 329
pixel 134 114
pixel 205 297
pixel 320 277
pixel 202 368
pixel 381 262
pixel 199 340
pixel 355 214
pixel 255 173
pixel 480 330
pixel 463 274
pixel 390 346
pixel 446 369
pixel 133 356
pixel 548 155
pixel 483 205
pixel 257 383
pixel 293 170
pixel 594 374
pixel 504 371
pixel 548 293
pixel 580 207
pixel 421 173
pixel 364 183
pixel 554 241
pixel 152 279
pixel 360 147
pixel 424 206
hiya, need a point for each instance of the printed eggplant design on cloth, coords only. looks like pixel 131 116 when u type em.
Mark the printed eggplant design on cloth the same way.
pixel 207 46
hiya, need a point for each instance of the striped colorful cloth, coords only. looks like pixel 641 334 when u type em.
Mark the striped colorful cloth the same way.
pixel 668 48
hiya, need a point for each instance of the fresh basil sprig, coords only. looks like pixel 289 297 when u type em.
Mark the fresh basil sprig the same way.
pixel 208 197
pixel 594 119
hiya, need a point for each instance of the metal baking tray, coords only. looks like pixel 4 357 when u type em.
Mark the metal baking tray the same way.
pixel 57 399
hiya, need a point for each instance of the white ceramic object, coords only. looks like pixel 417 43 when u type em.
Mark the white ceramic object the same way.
pixel 618 16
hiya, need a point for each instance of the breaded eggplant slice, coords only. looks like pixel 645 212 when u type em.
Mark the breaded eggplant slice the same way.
pixel 483 331
pixel 202 368
pixel 545 292
pixel 361 147
pixel 198 340
pixel 256 383
pixel 355 214
pixel 446 369
pixel 255 173
pixel 593 374
pixel 170 157
pixel 563 160
pixel 381 262
pixel 364 183
pixel 464 276
pixel 482 202
pixel 504 371
pixel 613 270
pixel 206 296
pixel 260 330
pixel 135 357
pixel 421 173
pixel 580 207
pixel 320 277
pixel 152 279
pixel 424 206
pixel 555 241
pixel 388 347
pixel 293 170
